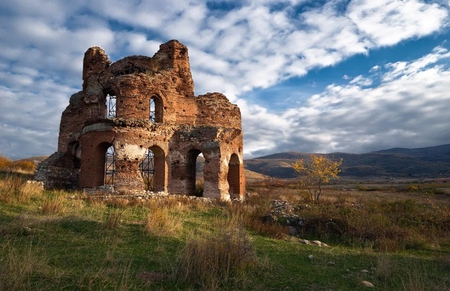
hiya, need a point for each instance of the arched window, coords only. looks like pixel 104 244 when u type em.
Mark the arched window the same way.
pixel 195 163
pixel 110 166
pixel 155 109
pixel 110 106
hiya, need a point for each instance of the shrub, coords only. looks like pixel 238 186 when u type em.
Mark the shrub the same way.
pixel 5 163
pixel 25 166
pixel 212 261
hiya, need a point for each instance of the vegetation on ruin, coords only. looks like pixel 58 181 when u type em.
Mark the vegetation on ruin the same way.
pixel 396 237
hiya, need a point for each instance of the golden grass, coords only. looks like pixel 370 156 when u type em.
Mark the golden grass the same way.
pixel 162 221
pixel 54 204
pixel 14 190
pixel 210 260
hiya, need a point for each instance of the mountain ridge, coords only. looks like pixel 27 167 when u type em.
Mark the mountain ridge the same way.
pixel 395 162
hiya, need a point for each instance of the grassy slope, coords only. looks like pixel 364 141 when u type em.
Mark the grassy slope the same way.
pixel 59 241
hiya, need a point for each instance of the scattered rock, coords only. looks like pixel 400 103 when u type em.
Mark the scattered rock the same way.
pixel 367 284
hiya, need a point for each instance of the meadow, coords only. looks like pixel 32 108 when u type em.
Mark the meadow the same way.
pixel 396 237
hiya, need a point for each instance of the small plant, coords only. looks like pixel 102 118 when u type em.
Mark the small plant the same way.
pixel 53 204
pixel 212 261
pixel 113 219
pixel 161 222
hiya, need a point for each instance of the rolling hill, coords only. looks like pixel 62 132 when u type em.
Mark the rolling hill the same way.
pixel 396 162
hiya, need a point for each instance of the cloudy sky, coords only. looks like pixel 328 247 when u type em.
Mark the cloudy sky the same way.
pixel 309 75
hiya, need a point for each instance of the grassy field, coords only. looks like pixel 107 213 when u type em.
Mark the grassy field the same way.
pixel 394 237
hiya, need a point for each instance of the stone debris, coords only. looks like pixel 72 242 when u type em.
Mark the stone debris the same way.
pixel 99 193
pixel 283 212
pixel 367 284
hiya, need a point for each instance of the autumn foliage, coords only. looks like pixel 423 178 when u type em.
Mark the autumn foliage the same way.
pixel 8 165
pixel 316 172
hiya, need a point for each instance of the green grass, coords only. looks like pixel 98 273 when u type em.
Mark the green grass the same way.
pixel 56 240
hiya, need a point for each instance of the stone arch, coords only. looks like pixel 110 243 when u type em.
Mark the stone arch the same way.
pixel 153 169
pixel 93 165
pixel 156 109
pixel 234 176
pixel 194 183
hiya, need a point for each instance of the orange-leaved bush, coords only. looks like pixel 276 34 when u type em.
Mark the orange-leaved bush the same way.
pixel 316 172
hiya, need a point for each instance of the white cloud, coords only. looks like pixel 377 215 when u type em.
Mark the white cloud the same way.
pixel 387 22
pixel 255 45
pixel 407 111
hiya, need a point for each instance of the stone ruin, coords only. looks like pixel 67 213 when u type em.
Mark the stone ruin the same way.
pixel 137 125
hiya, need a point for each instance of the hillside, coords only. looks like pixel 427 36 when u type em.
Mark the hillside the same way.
pixel 396 162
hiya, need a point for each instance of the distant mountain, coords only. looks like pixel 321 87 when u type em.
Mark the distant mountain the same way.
pixel 396 162
pixel 437 153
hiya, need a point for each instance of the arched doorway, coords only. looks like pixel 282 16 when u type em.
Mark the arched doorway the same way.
pixel 147 168
pixel 194 163
pixel 153 168
pixel 233 177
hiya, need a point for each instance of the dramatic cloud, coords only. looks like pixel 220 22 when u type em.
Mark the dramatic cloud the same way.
pixel 408 108
pixel 238 48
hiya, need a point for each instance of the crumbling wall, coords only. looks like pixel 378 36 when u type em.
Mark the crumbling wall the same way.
pixel 155 109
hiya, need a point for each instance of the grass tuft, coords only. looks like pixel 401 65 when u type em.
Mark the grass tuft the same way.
pixel 14 190
pixel 113 218
pixel 210 261
pixel 161 221
pixel 53 204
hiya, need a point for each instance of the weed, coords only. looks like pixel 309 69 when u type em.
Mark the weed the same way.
pixel 54 203
pixel 217 259
pixel 17 265
pixel 161 222
pixel 113 218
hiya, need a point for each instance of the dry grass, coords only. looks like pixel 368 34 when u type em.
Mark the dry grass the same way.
pixel 382 220
pixel 14 189
pixel 113 218
pixel 210 261
pixel 54 204
pixel 162 221
pixel 17 266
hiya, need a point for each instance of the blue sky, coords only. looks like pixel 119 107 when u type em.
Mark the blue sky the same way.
pixel 312 76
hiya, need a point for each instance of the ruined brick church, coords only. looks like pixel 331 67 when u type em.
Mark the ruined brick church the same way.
pixel 137 125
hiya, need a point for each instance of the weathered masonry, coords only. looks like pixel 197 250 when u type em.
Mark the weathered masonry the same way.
pixel 137 125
